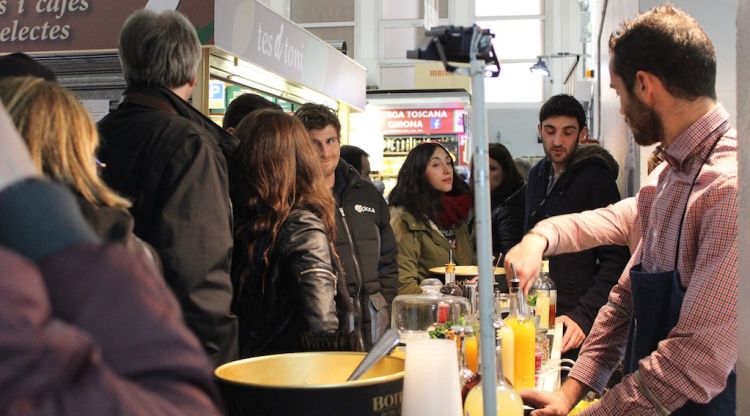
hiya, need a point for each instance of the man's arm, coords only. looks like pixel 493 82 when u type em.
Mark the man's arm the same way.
pixel 193 236
pixel 616 224
pixel 705 332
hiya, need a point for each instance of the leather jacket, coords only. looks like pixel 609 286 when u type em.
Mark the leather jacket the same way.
pixel 297 295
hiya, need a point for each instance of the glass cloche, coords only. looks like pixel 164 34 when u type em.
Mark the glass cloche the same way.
pixel 415 315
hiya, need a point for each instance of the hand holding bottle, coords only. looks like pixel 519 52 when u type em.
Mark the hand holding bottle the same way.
pixel 526 257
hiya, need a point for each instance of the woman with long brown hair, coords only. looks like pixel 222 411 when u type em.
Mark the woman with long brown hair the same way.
pixel 282 269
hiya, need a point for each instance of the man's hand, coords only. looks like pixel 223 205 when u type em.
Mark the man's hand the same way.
pixel 574 335
pixel 526 258
pixel 547 404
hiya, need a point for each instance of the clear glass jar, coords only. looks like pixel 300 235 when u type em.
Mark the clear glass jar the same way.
pixel 414 316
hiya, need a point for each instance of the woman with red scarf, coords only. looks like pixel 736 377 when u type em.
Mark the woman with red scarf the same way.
pixel 429 206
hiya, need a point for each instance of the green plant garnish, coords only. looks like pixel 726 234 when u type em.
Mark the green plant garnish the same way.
pixel 531 300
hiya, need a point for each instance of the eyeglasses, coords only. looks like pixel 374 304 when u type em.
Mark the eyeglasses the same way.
pixel 99 165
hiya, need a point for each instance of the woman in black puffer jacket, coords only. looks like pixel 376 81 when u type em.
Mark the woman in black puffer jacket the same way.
pixel 508 199
pixel 284 269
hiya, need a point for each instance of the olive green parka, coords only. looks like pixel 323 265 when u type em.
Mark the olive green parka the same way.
pixel 421 247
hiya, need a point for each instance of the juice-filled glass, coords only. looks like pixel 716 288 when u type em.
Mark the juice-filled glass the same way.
pixel 508 401
pixel 524 339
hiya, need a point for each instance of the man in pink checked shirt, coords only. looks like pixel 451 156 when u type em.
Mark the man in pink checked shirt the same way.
pixel 672 316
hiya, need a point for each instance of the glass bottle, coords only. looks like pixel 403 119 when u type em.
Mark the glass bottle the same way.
pixel 545 293
pixel 504 338
pixel 468 377
pixel 471 345
pixel 508 401
pixel 450 287
pixel 524 338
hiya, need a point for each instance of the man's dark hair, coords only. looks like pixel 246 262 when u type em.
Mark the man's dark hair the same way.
pixel 666 42
pixel 563 105
pixel 353 156
pixel 21 65
pixel 317 117
pixel 244 105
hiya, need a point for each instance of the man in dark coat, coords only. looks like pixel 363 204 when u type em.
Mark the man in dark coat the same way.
pixel 170 161
pixel 574 178
pixel 364 238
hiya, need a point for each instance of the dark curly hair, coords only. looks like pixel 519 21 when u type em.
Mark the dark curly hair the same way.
pixel 414 193
pixel 669 43
pixel 318 116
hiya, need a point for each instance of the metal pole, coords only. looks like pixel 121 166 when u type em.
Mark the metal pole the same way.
pixel 483 228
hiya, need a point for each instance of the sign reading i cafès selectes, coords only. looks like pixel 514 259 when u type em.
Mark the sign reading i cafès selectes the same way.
pixel 81 25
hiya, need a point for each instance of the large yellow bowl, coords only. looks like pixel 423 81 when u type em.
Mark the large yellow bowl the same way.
pixel 311 384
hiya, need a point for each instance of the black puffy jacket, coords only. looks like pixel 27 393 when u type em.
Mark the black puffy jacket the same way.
pixel 583 279
pixel 298 296
pixel 367 248
pixel 507 220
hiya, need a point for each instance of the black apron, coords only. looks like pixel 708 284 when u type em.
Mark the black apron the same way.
pixel 657 299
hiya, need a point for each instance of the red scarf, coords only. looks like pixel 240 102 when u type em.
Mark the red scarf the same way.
pixel 455 209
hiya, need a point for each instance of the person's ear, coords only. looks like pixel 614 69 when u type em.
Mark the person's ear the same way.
pixel 645 86
pixel 583 134
pixel 193 81
pixel 539 133
pixel 231 130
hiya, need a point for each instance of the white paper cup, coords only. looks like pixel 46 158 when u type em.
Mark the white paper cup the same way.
pixel 431 384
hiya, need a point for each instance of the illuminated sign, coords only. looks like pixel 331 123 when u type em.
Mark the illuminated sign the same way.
pixel 422 121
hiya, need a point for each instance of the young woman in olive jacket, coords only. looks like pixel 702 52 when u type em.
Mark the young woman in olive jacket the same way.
pixel 429 206
pixel 283 268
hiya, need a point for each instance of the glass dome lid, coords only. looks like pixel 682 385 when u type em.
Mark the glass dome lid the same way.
pixel 414 316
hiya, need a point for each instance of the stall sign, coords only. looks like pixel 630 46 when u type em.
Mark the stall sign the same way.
pixel 82 25
pixel 421 121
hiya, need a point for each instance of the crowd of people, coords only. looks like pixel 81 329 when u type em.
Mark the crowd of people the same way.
pixel 157 245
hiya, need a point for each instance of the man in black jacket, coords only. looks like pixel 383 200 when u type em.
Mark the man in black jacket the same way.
pixel 169 160
pixel 574 178
pixel 364 238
